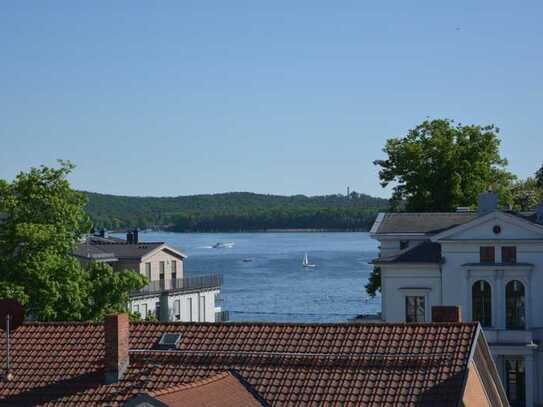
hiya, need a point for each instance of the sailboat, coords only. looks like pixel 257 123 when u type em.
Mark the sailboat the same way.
pixel 306 262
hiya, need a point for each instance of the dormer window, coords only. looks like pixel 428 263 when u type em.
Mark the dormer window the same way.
pixel 487 254
pixel 509 254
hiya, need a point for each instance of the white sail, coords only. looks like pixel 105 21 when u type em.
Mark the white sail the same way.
pixel 306 260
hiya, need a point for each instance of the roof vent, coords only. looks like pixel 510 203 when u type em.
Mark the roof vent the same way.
pixel 168 341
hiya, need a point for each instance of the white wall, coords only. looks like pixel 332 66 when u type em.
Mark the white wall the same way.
pixel 155 260
pixel 458 250
pixel 199 314
pixel 419 280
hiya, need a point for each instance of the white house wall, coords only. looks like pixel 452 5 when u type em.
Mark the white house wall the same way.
pixel 155 260
pixel 397 283
pixel 205 314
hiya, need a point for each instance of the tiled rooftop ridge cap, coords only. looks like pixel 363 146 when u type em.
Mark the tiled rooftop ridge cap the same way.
pixel 259 323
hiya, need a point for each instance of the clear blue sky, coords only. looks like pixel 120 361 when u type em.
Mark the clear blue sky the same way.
pixel 175 98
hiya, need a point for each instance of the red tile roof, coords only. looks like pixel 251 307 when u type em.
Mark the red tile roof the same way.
pixel 222 390
pixel 287 364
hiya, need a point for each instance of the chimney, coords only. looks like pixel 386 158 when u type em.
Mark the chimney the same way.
pixel 129 237
pixel 446 313
pixel 135 236
pixel 487 202
pixel 116 341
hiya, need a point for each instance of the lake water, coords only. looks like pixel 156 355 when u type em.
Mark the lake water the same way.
pixel 274 286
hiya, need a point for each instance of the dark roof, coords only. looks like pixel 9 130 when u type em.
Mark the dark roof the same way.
pixel 94 252
pixel 420 222
pixel 287 364
pixel 118 248
pixel 425 252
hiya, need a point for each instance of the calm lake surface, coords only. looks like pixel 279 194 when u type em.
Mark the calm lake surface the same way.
pixel 274 286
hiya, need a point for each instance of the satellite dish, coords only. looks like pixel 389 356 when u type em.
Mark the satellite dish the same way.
pixel 12 309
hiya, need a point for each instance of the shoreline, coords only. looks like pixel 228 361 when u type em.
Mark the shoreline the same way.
pixel 294 230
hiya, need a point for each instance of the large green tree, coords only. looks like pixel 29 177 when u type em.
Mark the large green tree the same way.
pixel 440 165
pixel 42 219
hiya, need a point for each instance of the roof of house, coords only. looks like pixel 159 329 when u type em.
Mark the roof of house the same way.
pixel 94 252
pixel 120 249
pixel 420 222
pixel 430 223
pixel 226 389
pixel 286 364
pixel 424 252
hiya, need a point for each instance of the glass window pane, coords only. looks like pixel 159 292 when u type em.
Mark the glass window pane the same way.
pixel 509 254
pixel 415 308
pixel 515 308
pixel 482 303
pixel 515 381
pixel 487 254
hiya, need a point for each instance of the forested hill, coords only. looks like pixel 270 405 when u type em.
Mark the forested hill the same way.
pixel 235 211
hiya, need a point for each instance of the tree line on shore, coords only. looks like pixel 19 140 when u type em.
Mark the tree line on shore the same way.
pixel 437 166
pixel 234 212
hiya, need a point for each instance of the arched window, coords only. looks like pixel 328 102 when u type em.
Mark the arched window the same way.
pixel 481 297
pixel 514 300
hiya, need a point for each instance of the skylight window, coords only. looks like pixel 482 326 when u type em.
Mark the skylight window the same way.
pixel 169 340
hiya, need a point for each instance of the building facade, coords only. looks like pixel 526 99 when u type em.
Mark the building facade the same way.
pixel 170 295
pixel 489 262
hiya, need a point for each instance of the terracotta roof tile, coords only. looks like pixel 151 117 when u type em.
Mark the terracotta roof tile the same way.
pixel 287 364
pixel 225 389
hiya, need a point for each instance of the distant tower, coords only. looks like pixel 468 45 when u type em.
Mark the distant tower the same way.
pixel 348 192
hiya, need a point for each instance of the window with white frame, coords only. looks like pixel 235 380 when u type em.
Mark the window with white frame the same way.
pixel 481 303
pixel 177 310
pixel 415 308
pixel 143 311
pixel 515 313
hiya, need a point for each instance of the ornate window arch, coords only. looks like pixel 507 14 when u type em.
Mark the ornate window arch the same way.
pixel 515 309
pixel 481 302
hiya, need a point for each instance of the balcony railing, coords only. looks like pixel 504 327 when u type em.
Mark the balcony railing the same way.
pixel 195 283
pixel 222 316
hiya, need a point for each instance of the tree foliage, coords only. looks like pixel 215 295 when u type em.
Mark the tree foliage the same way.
pixel 440 165
pixel 42 220
pixel 527 194
pixel 236 211
pixel 374 282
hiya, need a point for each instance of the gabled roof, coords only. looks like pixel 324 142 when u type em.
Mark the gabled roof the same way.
pixel 99 253
pixel 419 222
pixel 120 249
pixel 225 389
pixel 287 364
pixel 425 252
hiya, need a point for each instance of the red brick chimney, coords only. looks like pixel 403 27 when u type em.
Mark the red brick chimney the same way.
pixel 116 341
pixel 446 313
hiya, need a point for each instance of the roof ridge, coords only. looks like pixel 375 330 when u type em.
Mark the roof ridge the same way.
pixel 65 323
pixel 430 213
pixel 301 324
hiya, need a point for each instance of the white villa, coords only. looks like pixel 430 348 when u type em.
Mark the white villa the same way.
pixel 170 295
pixel 489 262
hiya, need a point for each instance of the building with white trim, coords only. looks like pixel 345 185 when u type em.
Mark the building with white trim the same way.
pixel 170 294
pixel 489 262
